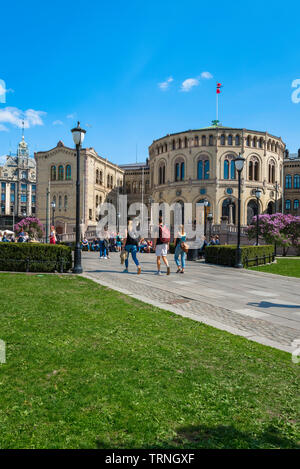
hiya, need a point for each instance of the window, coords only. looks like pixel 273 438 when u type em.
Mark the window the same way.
pixel 248 141
pixel 179 143
pixel 12 197
pixel 296 181
pixel 232 169
pixel 23 187
pixel 33 187
pixel 211 140
pixel 68 172
pixel 226 169
pixel 229 139
pixel 134 187
pixel 60 173
pixel 59 202
pixel 97 176
pixel 3 196
pixel 272 172
pixel 108 180
pixel 296 204
pixel 182 171
pixel 222 139
pixel 101 178
pixel 66 202
pixel 203 140
pixel 24 175
pixel 173 145
pixel 200 169
pixel 177 172
pixel 253 170
pixel 3 186
pixel 23 198
pixel 206 169
pixel 260 143
pixel 237 140
pixel 288 204
pixel 196 141
pixel 162 174
pixel 288 181
pixel 33 199
pixel 185 142
pixel 53 173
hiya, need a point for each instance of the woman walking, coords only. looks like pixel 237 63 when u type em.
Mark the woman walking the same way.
pixel 179 242
pixel 131 246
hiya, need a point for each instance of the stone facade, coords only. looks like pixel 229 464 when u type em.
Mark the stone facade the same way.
pixel 18 186
pixel 197 165
pixel 101 181
pixel 292 184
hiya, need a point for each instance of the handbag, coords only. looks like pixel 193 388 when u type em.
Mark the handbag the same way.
pixel 184 247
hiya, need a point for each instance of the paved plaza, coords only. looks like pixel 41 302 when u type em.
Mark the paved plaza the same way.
pixel 259 306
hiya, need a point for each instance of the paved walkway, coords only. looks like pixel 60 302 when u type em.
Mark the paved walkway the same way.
pixel 262 307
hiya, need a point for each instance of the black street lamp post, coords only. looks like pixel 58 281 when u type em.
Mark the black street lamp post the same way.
pixel 257 195
pixel 78 136
pixel 239 164
pixel 53 212
pixel 205 205
pixel 210 219
pixel 276 198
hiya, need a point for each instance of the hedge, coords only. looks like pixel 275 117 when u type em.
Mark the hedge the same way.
pixel 226 255
pixel 35 257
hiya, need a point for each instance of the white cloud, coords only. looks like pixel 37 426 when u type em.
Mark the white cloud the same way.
pixel 206 75
pixel 71 116
pixel 58 122
pixel 3 128
pixel 165 84
pixel 188 84
pixel 14 116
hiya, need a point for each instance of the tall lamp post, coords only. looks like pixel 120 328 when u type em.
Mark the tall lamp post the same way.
pixel 210 219
pixel 239 164
pixel 257 195
pixel 276 198
pixel 78 136
pixel 53 212
pixel 205 205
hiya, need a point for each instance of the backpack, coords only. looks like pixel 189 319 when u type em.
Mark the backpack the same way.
pixel 164 234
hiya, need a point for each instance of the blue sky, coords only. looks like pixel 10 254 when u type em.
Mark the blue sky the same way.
pixel 102 63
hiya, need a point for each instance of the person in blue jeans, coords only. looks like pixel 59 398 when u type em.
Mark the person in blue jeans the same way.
pixel 180 238
pixel 131 246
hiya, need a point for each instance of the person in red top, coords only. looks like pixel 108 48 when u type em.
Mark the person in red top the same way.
pixel 52 236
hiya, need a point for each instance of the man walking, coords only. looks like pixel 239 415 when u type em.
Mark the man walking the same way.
pixel 161 244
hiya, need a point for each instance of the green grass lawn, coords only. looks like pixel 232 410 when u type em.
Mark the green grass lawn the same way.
pixel 88 367
pixel 283 266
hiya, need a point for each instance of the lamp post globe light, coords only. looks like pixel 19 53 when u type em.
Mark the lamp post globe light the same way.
pixel 239 165
pixel 53 211
pixel 257 195
pixel 78 137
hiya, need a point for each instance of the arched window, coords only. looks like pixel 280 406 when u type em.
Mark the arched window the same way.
pixel 179 143
pixel 256 171
pixel 60 173
pixel 232 169
pixel 54 199
pixel 134 187
pixel 296 181
pixel 229 139
pixel 250 171
pixel 128 187
pixel 206 169
pixel 182 171
pixel 273 146
pixel 226 169
pixel 59 202
pixel 211 140
pixel 162 174
pixel 271 172
pixel 260 142
pixel 185 142
pixel 254 142
pixel 111 182
pixel 101 178
pixel 296 204
pixel 66 202
pixel 288 204
pixel 222 139
pixel 248 141
pixel 228 210
pixel 68 172
pixel 97 176
pixel 196 141
pixel 288 181
pixel 53 173
pixel 203 140
pixel 237 140
pixel 173 145
pixel 108 180
pixel 200 169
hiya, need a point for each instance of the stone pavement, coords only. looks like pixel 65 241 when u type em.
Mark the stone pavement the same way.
pixel 259 306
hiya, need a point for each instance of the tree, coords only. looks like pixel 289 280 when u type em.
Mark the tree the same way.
pixel 284 230
pixel 30 225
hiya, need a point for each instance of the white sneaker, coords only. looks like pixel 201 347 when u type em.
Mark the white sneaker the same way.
pixel 158 272
pixel 105 257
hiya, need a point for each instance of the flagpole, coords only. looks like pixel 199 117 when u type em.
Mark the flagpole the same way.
pixel 217 106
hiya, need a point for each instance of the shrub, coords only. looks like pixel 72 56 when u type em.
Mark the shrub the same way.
pixel 34 257
pixel 172 248
pixel 226 255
